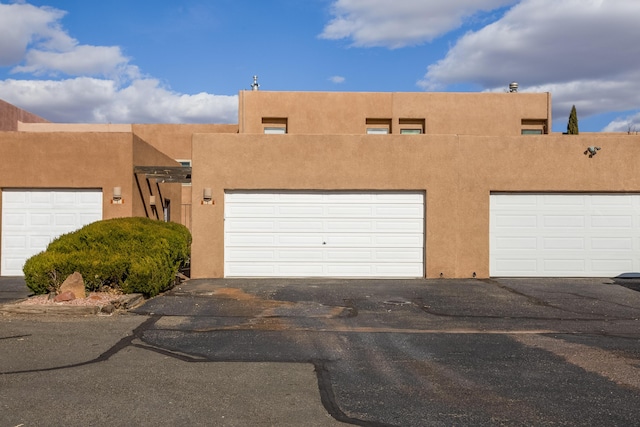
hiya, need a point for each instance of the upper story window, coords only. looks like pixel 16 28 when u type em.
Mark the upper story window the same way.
pixel 378 126
pixel 533 127
pixel 274 125
pixel 411 126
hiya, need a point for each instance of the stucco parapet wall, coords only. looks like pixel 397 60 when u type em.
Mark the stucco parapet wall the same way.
pixel 73 127
pixel 457 174
pixel 347 112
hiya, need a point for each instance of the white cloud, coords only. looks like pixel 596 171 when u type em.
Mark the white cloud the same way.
pixel 105 86
pixel 583 51
pixel 81 60
pixel 400 23
pixel 337 79
pixel 24 24
pixel 91 100
pixel 630 124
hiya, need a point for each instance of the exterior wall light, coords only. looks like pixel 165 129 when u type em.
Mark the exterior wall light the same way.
pixel 207 196
pixel 152 200
pixel 117 196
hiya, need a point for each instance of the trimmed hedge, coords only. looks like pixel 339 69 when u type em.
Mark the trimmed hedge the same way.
pixel 135 255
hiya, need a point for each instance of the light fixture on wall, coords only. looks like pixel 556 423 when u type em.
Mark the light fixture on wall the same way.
pixel 152 200
pixel 207 196
pixel 117 196
pixel 591 151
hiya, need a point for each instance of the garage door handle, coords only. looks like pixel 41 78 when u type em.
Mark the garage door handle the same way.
pixel 324 243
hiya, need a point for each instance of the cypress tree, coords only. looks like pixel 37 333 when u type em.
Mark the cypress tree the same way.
pixel 572 126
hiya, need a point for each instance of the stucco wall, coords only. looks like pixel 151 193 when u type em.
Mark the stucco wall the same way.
pixel 10 115
pixel 346 112
pixel 81 160
pixel 458 174
pixel 175 140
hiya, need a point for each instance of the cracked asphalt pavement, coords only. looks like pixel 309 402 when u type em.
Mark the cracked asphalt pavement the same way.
pixel 512 352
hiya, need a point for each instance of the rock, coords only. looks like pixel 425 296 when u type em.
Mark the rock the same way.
pixel 74 284
pixel 65 296
pixel 107 309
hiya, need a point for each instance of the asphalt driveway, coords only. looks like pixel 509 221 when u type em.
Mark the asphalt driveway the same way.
pixel 361 352
pixel 426 352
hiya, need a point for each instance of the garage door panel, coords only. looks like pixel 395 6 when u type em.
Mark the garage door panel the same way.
pixel 64 199
pixel 606 201
pixel 12 220
pixel 612 221
pixel 515 266
pixel 563 221
pixel 561 265
pixel 39 219
pixel 563 243
pixel 613 265
pixel 293 226
pixel 515 243
pixel 553 202
pixel 15 242
pixel 575 234
pixel 252 210
pixel 306 254
pixel 31 219
pixel 324 234
pixel 407 197
pixel 612 243
pixel 251 269
pixel 405 270
pixel 65 220
pixel 516 221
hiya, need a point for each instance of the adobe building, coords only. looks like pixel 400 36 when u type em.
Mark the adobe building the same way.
pixel 329 184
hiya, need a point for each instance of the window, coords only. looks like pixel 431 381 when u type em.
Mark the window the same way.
pixel 531 131
pixel 274 125
pixel 377 131
pixel 378 126
pixel 533 126
pixel 411 126
pixel 275 130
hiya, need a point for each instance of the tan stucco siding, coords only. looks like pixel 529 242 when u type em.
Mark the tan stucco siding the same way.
pixel 458 173
pixel 175 139
pixel 347 112
pixel 82 161
pixel 10 115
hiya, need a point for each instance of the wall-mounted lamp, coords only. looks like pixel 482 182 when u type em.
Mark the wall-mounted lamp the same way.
pixel 207 196
pixel 591 151
pixel 152 200
pixel 117 196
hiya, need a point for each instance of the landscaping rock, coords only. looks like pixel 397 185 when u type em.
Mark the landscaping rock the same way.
pixel 74 284
pixel 64 296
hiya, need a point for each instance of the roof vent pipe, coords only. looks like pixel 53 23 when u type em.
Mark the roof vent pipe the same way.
pixel 255 84
pixel 513 87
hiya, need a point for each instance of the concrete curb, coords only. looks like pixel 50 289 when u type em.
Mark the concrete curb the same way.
pixel 125 302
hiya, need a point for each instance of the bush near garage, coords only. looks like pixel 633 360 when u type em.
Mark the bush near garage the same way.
pixel 133 255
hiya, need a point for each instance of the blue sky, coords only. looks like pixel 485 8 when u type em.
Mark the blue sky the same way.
pixel 169 61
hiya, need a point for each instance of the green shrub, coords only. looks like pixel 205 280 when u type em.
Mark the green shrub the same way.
pixel 136 255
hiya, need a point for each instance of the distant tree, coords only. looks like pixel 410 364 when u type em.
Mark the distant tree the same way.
pixel 572 126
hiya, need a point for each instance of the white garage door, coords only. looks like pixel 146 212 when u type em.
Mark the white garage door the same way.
pixel 324 234
pixel 32 218
pixel 571 235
